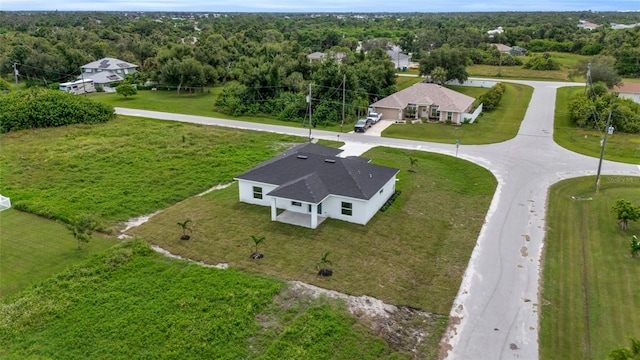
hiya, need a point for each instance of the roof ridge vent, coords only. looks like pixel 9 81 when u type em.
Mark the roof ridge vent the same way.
pixel 331 161
pixel 304 157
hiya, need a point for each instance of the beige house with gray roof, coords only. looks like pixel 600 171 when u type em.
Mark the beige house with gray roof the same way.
pixel 426 101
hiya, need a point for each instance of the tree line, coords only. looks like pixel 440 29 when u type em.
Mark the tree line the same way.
pixel 262 58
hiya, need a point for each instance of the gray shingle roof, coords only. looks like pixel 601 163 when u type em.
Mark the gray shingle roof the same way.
pixel 427 94
pixel 109 64
pixel 311 172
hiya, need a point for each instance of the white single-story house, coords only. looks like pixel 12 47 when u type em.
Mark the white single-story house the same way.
pixel 310 183
pixel 106 71
pixel 628 90
pixel 425 101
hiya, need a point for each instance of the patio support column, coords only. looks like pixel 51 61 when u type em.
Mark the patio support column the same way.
pixel 274 212
pixel 314 216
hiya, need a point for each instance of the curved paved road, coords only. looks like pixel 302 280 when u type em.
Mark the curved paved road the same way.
pixel 495 315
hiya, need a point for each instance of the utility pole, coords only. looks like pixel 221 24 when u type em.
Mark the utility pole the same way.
pixel 310 121
pixel 15 73
pixel 588 83
pixel 604 142
pixel 344 82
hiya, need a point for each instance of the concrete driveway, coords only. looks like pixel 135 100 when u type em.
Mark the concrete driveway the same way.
pixel 496 312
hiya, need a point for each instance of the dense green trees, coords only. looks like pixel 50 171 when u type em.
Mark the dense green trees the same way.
pixel 265 54
pixel 452 60
pixel 591 110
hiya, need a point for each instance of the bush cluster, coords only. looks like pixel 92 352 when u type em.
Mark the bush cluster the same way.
pixel 41 108
pixel 592 111
pixel 491 99
pixel 544 62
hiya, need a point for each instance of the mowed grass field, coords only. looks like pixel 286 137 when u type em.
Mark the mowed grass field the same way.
pixel 590 291
pixel 131 303
pixel 620 146
pixel 567 62
pixel 33 248
pixel 420 245
pixel 498 125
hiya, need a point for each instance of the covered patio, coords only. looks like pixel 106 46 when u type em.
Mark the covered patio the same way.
pixel 300 219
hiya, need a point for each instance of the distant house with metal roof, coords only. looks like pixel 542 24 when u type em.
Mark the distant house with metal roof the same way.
pixel 105 71
pixel 426 101
pixel 311 183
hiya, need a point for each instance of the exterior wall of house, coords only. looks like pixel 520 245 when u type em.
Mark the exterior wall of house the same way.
pixel 246 192
pixel 381 197
pixel 361 210
pixel 632 96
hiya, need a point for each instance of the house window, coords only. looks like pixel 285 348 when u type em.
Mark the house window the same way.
pixel 296 203
pixel 435 113
pixel 257 192
pixel 347 208
pixel 449 115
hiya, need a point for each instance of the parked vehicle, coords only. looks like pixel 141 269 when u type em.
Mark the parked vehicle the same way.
pixel 374 117
pixel 362 125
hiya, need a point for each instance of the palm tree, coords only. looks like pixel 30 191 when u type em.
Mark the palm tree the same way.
pixel 414 163
pixel 322 266
pixel 185 226
pixel 257 241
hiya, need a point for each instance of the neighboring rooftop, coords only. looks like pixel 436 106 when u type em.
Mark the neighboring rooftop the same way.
pixel 628 87
pixel 109 64
pixel 427 94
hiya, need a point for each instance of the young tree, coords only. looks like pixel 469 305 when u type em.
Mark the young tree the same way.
pixel 81 229
pixel 257 241
pixel 323 265
pixel 414 163
pixel 625 212
pixel 185 226
pixel 126 90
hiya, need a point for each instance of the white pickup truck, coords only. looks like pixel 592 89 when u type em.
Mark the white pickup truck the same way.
pixel 374 117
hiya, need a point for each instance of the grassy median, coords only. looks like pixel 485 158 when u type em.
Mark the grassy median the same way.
pixel 590 291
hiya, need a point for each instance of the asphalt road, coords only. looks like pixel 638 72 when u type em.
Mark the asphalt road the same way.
pixel 495 315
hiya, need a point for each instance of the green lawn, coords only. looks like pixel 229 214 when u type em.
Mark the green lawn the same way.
pixel 567 61
pixel 33 248
pixel 403 82
pixel 199 103
pixel 620 146
pixel 131 303
pixel 133 166
pixel 124 168
pixel 516 72
pixel 590 292
pixel 421 245
pixel 491 127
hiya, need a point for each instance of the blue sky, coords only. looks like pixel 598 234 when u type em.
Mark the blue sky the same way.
pixel 321 5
